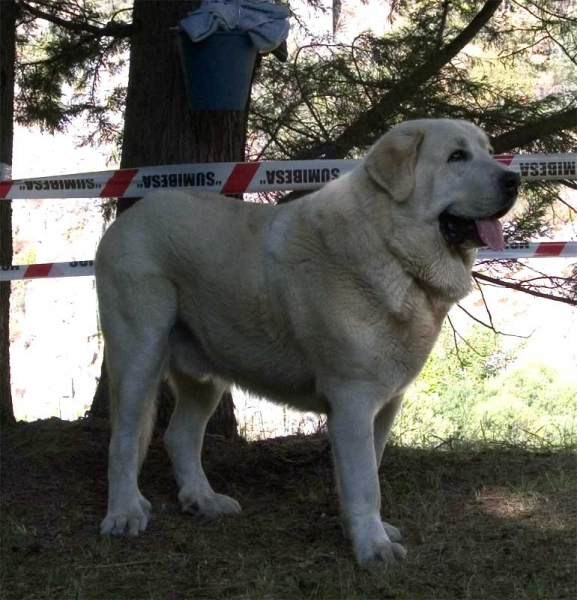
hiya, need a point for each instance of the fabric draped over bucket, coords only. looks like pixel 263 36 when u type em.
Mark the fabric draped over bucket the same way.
pixel 266 24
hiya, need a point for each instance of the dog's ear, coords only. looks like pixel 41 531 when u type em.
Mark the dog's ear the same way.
pixel 391 161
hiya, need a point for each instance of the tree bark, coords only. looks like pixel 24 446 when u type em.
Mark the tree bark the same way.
pixel 160 129
pixel 7 58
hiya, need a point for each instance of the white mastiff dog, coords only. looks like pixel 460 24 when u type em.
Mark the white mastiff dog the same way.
pixel 331 303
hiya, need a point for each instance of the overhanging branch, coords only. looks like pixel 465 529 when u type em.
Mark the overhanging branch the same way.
pixel 517 286
pixel 534 130
pixel 363 129
pixel 117 30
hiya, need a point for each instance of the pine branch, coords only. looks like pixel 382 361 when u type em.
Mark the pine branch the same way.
pixel 116 30
pixel 535 130
pixel 362 131
pixel 520 288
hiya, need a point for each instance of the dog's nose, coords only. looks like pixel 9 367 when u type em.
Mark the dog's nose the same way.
pixel 510 183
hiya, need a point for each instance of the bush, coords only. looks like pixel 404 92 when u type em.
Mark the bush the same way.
pixel 473 391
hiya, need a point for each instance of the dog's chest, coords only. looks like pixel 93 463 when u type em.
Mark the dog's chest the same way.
pixel 411 339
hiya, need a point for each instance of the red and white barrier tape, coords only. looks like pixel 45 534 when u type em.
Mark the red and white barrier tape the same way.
pixel 86 267
pixel 239 178
pixel 530 250
pixel 77 268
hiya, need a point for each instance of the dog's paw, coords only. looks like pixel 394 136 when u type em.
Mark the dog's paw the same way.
pixel 380 553
pixel 132 518
pixel 392 533
pixel 377 544
pixel 210 505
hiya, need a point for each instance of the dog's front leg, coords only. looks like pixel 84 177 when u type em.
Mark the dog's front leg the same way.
pixel 384 423
pixel 350 424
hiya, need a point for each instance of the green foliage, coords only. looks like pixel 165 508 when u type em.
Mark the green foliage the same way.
pixel 335 99
pixel 531 403
pixel 475 391
pixel 63 56
pixel 524 69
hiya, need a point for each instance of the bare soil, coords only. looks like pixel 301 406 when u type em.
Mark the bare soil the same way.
pixel 481 524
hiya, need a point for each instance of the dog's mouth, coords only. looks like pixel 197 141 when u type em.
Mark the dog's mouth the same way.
pixel 473 233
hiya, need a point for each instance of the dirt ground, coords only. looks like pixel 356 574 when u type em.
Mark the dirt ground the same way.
pixel 484 524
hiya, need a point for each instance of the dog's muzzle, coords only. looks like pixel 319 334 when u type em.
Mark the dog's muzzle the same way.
pixel 509 183
pixel 467 233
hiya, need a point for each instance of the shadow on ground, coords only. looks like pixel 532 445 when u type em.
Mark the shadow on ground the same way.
pixel 490 524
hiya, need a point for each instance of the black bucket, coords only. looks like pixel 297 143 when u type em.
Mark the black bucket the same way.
pixel 217 70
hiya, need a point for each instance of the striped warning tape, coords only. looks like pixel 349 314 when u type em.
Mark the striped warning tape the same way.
pixel 86 267
pixel 530 250
pixel 239 178
pixel 47 270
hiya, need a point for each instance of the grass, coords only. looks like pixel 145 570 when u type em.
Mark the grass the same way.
pixel 482 523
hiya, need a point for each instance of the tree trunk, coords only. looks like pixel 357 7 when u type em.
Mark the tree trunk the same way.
pixel 160 129
pixel 7 58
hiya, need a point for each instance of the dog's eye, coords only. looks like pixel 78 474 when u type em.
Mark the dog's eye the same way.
pixel 457 156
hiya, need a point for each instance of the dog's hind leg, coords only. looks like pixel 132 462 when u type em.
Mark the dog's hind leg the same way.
pixel 195 403
pixel 136 326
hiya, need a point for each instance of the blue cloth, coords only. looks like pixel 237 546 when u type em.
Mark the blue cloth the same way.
pixel 266 24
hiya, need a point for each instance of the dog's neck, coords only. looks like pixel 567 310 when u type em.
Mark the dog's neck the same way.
pixel 446 273
pixel 440 271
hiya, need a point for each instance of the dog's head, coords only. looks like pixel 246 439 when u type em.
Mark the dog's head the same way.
pixel 442 170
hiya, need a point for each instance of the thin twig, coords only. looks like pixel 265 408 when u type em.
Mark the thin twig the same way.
pixel 521 288
pixel 491 327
